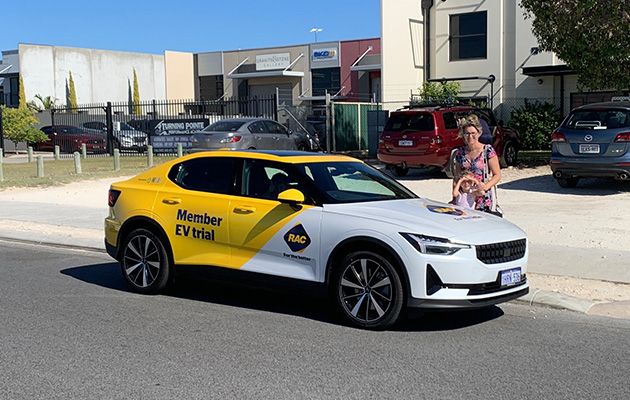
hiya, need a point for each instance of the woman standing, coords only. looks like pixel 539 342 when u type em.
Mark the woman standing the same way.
pixel 473 157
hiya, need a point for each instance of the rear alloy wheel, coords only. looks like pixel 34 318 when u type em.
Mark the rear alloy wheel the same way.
pixel 368 290
pixel 508 158
pixel 144 262
pixel 568 182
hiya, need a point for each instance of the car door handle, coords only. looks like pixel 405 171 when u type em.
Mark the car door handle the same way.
pixel 244 209
pixel 172 200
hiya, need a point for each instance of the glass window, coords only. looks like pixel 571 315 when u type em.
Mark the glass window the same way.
pixel 413 121
pixel 257 127
pixel 210 174
pixel 599 119
pixel 468 36
pixel 450 122
pixel 274 127
pixel 265 179
pixel 326 80
pixel 224 126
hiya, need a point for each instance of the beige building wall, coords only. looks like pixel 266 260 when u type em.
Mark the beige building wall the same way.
pixel 180 75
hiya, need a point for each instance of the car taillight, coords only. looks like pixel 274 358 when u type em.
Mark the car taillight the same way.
pixel 436 141
pixel 623 137
pixel 112 197
pixel 381 144
pixel 558 137
pixel 232 139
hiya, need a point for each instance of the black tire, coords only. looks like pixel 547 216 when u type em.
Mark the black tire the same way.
pixel 397 170
pixel 568 182
pixel 302 147
pixel 144 262
pixel 372 303
pixel 449 170
pixel 508 158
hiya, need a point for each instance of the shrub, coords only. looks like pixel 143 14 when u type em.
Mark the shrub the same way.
pixel 535 121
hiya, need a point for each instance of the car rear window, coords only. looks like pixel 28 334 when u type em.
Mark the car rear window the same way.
pixel 413 122
pixel 598 119
pixel 224 126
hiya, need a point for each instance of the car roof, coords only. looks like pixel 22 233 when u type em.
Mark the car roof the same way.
pixel 434 108
pixel 243 119
pixel 285 156
pixel 605 104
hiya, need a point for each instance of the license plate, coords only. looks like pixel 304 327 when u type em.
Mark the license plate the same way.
pixel 510 277
pixel 589 148
pixel 405 142
pixel 96 147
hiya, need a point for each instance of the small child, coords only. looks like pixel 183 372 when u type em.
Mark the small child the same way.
pixel 466 192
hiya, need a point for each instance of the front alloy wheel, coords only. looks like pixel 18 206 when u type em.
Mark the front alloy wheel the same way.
pixel 368 290
pixel 144 262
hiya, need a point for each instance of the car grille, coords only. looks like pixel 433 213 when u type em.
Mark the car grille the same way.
pixel 496 253
pixel 94 141
pixel 138 139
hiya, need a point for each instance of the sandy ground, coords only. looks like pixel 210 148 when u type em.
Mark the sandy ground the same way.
pixel 593 215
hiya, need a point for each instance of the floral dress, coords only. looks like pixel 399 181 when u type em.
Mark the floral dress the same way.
pixel 477 168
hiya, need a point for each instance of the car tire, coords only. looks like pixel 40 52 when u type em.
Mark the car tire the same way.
pixel 509 155
pixel 302 147
pixel 568 182
pixel 372 303
pixel 449 170
pixel 144 262
pixel 397 170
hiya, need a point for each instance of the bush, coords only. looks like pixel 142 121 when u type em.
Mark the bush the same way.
pixel 535 121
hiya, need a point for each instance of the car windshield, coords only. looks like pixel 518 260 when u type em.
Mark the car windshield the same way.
pixel 224 126
pixel 598 119
pixel 126 127
pixel 410 122
pixel 352 182
pixel 69 130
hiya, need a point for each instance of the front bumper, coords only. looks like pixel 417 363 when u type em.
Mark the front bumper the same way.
pixel 471 302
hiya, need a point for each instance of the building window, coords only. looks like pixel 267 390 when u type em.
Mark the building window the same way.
pixel 469 36
pixel 326 80
pixel 211 87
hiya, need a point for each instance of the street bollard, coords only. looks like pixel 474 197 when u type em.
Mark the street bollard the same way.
pixel 83 151
pixel 77 163
pixel 1 173
pixel 40 166
pixel 29 151
pixel 180 150
pixel 149 156
pixel 116 160
pixel 57 157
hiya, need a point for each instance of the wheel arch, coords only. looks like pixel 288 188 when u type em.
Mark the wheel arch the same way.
pixel 371 244
pixel 147 223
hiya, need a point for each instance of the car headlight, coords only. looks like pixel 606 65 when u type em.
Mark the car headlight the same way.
pixel 433 245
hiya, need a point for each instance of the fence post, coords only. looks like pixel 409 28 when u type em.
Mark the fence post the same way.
pixel 116 160
pixel 29 152
pixel 1 157
pixel 1 135
pixel 83 150
pixel 149 156
pixel 40 166
pixel 77 163
pixel 180 150
pixel 57 157
pixel 110 127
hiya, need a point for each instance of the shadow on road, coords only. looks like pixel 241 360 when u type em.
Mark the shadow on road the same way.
pixel 306 304
pixel 585 187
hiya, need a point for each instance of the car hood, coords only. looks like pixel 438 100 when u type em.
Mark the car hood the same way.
pixel 433 218
pixel 130 133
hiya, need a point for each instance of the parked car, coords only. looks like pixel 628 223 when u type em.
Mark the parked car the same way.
pixel 593 141
pixel 70 139
pixel 243 134
pixel 320 221
pixel 421 137
pixel 316 126
pixel 125 136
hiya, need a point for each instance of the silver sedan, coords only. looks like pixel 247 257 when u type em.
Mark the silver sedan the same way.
pixel 244 134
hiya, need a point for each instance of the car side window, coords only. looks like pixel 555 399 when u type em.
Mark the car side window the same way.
pixel 265 179
pixel 47 130
pixel 274 127
pixel 257 127
pixel 208 174
pixel 450 122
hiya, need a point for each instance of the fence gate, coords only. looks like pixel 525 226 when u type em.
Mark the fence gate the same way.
pixel 351 125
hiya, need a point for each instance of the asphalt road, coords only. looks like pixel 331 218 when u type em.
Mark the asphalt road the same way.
pixel 71 329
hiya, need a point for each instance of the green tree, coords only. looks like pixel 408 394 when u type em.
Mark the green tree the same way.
pixel 535 121
pixel 22 96
pixel 136 95
pixel 18 126
pixel 47 103
pixel 591 36
pixel 444 92
pixel 72 95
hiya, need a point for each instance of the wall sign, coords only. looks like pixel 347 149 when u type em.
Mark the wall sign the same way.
pixel 324 54
pixel 273 61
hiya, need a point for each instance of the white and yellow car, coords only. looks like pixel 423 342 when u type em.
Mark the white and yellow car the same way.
pixel 332 222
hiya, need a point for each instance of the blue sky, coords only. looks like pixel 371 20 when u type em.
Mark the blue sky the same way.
pixel 189 26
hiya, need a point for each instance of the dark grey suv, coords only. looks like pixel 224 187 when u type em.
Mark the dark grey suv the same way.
pixel 592 142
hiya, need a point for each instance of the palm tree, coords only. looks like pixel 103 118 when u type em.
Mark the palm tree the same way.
pixel 48 103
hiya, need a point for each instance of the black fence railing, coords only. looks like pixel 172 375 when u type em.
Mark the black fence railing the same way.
pixel 132 127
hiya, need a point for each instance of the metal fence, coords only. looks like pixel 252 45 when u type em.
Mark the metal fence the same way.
pixel 132 127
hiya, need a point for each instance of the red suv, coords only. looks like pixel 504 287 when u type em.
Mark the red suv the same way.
pixel 426 136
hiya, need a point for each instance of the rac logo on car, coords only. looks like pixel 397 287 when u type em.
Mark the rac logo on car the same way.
pixel 297 239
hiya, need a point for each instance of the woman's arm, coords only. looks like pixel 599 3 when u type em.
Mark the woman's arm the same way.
pixel 495 168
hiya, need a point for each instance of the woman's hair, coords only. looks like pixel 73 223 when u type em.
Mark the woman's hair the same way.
pixel 471 120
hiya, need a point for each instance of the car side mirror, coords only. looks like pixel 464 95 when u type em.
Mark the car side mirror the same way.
pixel 291 196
